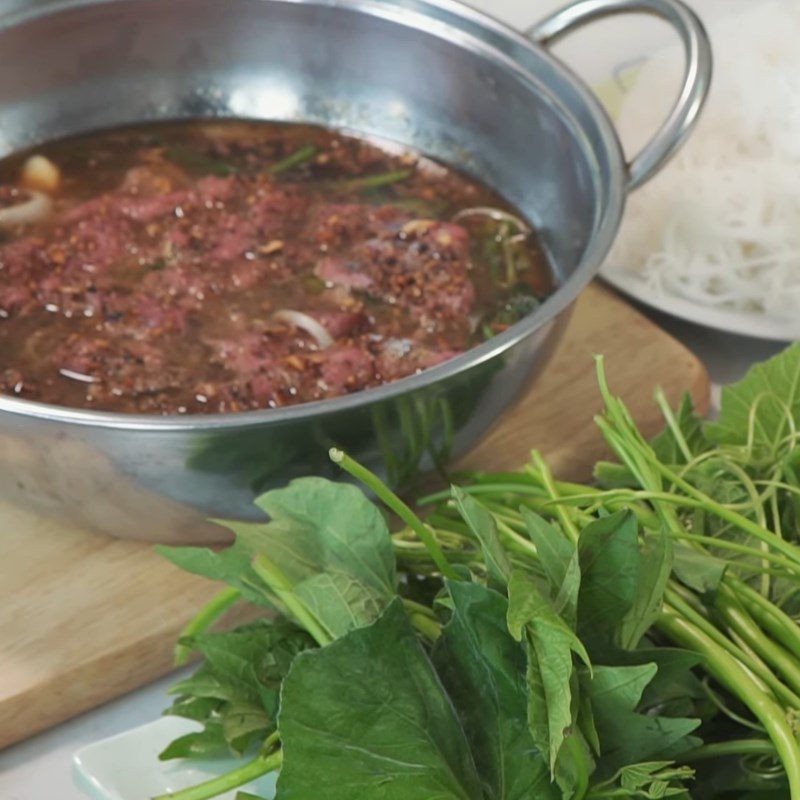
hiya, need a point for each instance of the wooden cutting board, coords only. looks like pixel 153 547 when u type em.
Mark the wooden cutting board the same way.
pixel 85 618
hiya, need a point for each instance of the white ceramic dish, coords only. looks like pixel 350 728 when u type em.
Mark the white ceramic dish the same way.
pixel 614 70
pixel 126 766
pixel 755 324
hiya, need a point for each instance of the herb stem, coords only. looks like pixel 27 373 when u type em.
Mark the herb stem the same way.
pixel 428 627
pixel 491 489
pixel 393 502
pixel 297 158
pixel 737 617
pixel 520 543
pixel 742 549
pixel 758 671
pixel 725 669
pixel 723 708
pixel 617 499
pixel 738 520
pixel 672 424
pixel 673 596
pixel 418 608
pixel 206 617
pixel 508 515
pixel 621 433
pixel 549 485
pixel 277 581
pixel 582 772
pixel 740 747
pixel 376 181
pixel 230 780
pixel 776 621
pixel 611 499
pixel 627 496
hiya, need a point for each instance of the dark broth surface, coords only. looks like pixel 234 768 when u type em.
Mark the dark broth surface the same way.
pixel 227 266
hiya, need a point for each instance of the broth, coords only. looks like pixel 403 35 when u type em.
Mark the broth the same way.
pixel 227 266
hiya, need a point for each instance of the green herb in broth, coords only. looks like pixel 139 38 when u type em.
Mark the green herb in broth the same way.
pixel 296 159
pixel 520 302
pixel 196 162
pixel 375 181
pixel 506 241
pixel 424 209
pixel 313 285
pixel 509 244
pixel 491 253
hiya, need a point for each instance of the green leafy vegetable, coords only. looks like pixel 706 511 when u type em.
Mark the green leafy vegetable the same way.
pixel 326 552
pixel 206 744
pixel 337 571
pixel 697 569
pixel 653 780
pixel 762 411
pixel 683 438
pixel 204 620
pixel 370 714
pixel 451 659
pixel 483 670
pixel 484 528
pixel 231 566
pixel 549 645
pixel 235 692
pixel 675 690
pixel 559 559
pixel 608 552
pixel 628 737
pixel 655 559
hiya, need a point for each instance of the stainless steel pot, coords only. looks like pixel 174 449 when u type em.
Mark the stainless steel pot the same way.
pixel 432 74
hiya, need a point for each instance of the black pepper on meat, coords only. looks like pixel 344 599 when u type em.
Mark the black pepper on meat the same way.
pixel 157 292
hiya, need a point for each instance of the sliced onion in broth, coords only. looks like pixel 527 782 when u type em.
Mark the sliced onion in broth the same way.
pixel 306 323
pixel 495 214
pixel 34 207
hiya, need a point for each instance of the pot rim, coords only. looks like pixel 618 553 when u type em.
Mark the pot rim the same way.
pixel 605 226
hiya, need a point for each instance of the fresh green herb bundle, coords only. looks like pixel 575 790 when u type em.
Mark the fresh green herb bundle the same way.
pixel 635 638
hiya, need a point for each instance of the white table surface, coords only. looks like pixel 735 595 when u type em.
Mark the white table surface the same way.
pixel 40 768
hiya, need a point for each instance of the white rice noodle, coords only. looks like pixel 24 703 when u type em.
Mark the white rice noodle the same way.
pixel 306 323
pixel 34 207
pixel 721 224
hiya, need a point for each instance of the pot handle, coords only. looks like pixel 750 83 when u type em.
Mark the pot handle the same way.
pixel 696 79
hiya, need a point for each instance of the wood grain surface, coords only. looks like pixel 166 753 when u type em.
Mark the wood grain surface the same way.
pixel 85 618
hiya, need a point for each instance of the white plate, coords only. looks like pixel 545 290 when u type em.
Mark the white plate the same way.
pixel 611 64
pixel 126 766
pixel 758 325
